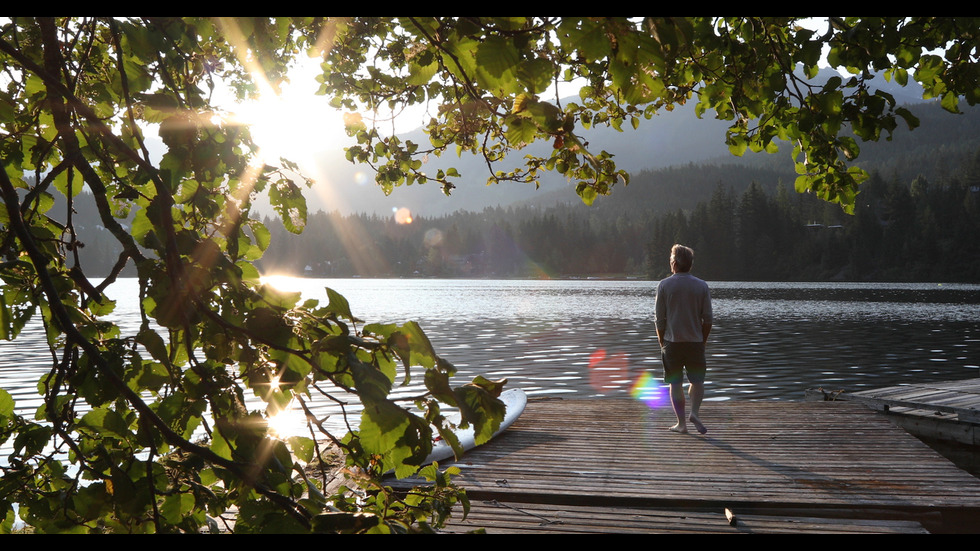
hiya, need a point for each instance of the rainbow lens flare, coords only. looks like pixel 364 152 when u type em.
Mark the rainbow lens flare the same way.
pixel 648 390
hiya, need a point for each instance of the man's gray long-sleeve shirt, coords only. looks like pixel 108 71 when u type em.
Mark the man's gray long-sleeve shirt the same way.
pixel 683 305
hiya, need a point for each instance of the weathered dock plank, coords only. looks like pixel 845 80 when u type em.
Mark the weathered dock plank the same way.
pixel 523 518
pixel 790 456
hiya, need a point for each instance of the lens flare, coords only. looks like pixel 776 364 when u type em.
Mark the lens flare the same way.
pixel 432 238
pixel 608 372
pixel 402 215
pixel 649 391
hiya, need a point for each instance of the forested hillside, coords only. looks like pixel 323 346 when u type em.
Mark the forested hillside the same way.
pixel 936 150
pixel 923 231
pixel 916 219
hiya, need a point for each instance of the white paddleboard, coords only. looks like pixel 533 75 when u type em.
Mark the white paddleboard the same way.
pixel 514 401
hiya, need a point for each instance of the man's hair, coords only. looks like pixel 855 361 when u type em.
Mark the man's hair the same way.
pixel 683 257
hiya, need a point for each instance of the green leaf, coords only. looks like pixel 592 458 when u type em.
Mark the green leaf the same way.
pixel 950 102
pixel 498 57
pixel 928 70
pixel 176 506
pixel 413 345
pixel 587 37
pixel 338 305
pixel 535 74
pixel 6 320
pixel 9 519
pixel 737 144
pixel 264 517
pixel 911 120
pixel 6 406
pixel 303 447
pixel 107 422
pixel 153 342
pixel 402 439
pixel 481 408
pixel 219 446
pixel 371 382
pixel 289 203
pixel 437 382
pixel 31 439
pixel 586 192
pixel 519 130
pixel 421 74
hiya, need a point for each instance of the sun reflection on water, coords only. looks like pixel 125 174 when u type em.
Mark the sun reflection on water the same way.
pixel 288 422
pixel 285 283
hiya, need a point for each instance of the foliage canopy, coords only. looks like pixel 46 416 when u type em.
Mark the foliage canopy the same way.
pixel 151 431
pixel 486 79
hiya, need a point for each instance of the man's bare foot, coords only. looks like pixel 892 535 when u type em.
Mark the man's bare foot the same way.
pixel 698 425
pixel 678 428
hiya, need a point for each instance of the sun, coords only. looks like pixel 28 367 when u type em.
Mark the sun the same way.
pixel 296 124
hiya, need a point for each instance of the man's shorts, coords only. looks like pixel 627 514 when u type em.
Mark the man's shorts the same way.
pixel 679 355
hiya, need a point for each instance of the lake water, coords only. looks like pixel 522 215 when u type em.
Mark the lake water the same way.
pixel 589 338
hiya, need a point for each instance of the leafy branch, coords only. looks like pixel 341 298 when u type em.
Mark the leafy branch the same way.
pixel 744 69
pixel 128 407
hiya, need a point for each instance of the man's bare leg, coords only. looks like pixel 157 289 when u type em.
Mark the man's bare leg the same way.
pixel 677 402
pixel 696 392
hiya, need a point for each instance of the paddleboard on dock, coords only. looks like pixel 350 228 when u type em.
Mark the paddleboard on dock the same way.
pixel 514 400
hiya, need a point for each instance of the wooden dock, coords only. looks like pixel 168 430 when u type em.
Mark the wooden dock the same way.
pixel 945 411
pixel 611 466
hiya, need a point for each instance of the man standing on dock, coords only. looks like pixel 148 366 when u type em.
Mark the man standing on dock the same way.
pixel 683 317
